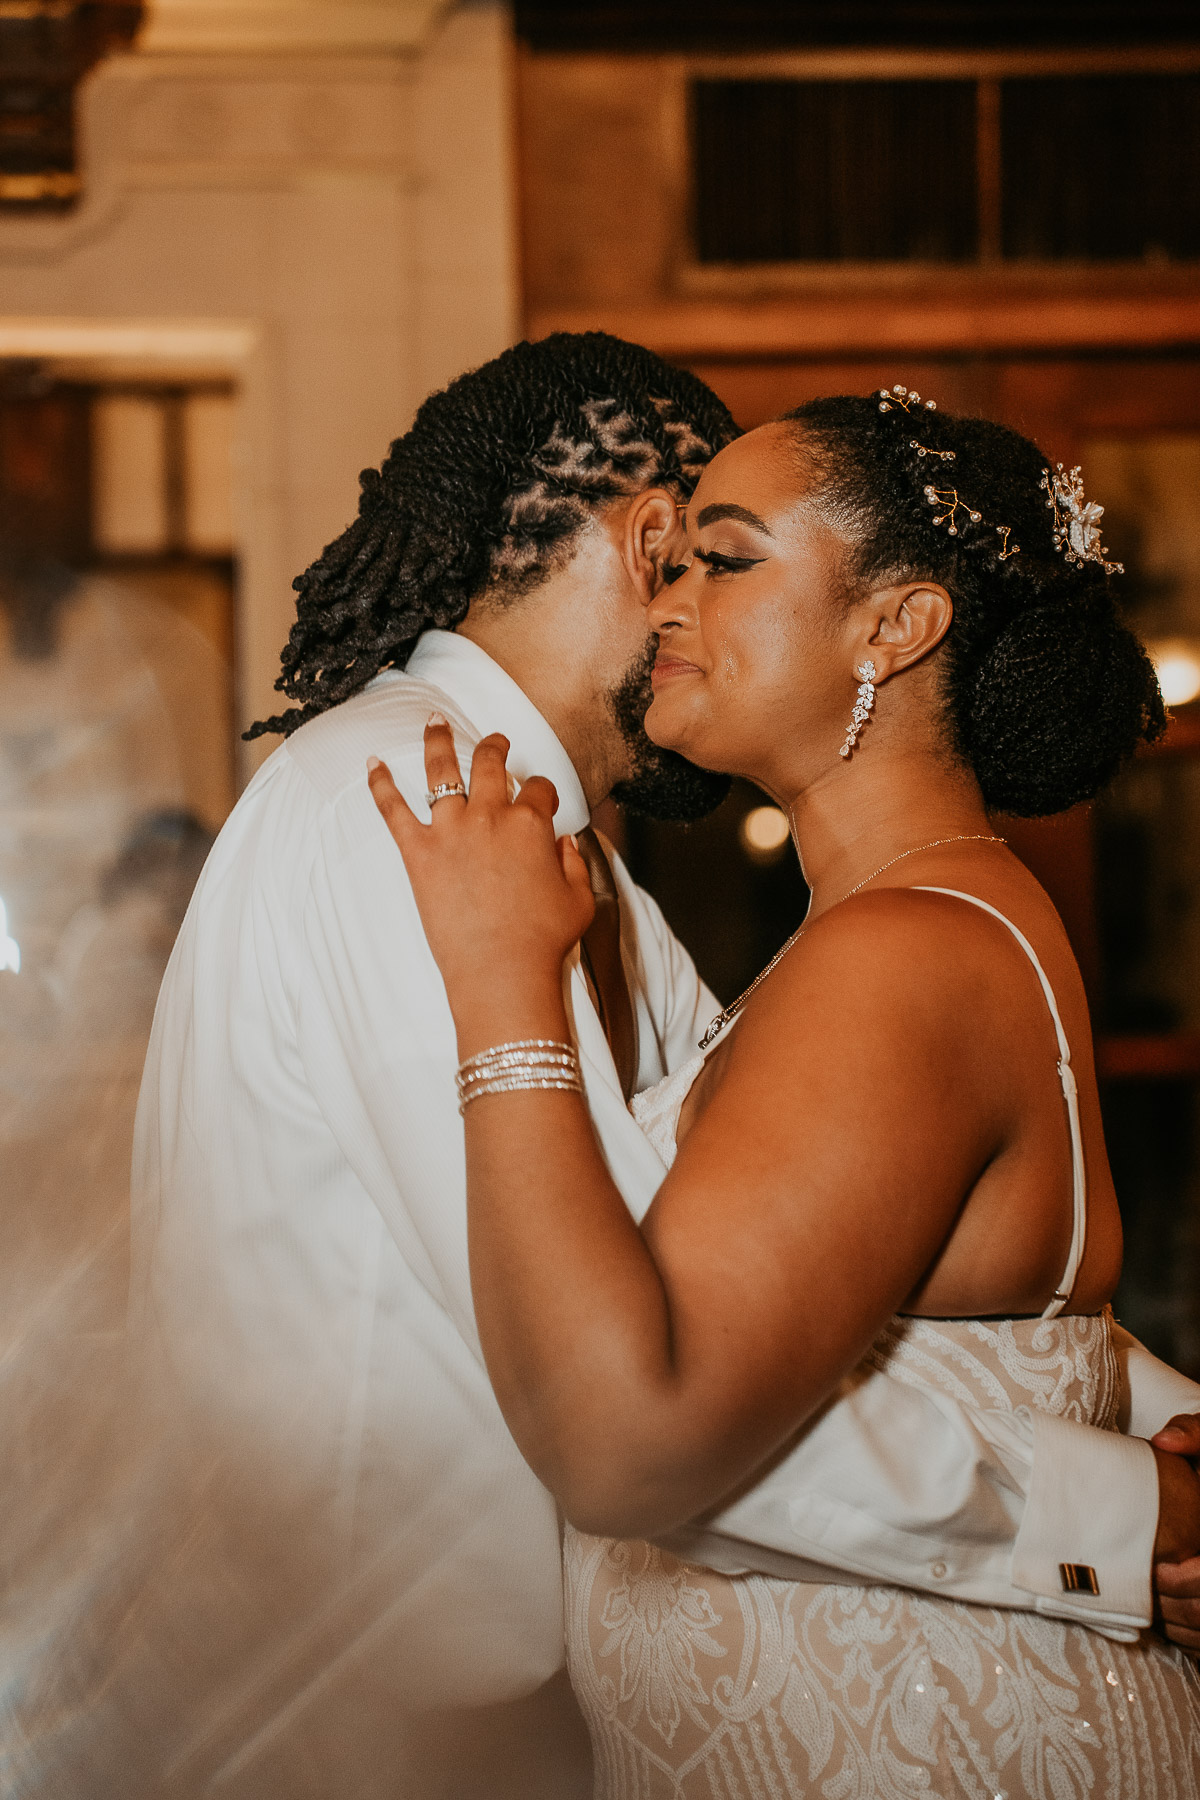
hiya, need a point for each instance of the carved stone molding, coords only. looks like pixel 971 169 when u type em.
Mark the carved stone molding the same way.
pixel 263 26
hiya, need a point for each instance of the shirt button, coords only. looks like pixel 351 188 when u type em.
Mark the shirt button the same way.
pixel 938 1570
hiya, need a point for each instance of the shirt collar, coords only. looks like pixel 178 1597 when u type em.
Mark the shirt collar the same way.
pixel 492 701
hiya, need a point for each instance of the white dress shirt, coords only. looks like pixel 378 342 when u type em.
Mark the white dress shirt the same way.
pixel 301 1252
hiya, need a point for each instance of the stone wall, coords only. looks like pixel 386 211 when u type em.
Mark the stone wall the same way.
pixel 314 200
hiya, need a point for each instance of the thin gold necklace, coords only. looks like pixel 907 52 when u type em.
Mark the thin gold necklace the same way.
pixel 735 1006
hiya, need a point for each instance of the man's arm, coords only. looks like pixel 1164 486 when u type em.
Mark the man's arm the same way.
pixel 896 1485
pixel 1091 1491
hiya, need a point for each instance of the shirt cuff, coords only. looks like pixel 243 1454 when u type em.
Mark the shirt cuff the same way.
pixel 1093 1504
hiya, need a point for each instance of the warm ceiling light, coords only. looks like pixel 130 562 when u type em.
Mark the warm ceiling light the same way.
pixel 1177 665
pixel 764 831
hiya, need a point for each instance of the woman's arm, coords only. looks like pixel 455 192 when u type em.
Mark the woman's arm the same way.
pixel 644 1373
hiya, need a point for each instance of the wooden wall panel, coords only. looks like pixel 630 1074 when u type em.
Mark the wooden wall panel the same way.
pixel 600 209
pixel 1057 401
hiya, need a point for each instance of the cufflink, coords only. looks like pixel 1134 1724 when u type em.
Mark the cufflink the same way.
pixel 1078 1578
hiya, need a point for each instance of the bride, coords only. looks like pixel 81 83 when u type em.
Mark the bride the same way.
pixel 887 1155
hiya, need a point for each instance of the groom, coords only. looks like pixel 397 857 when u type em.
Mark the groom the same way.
pixel 299 1179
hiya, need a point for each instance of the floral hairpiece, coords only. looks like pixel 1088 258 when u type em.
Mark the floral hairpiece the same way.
pixel 1076 520
pixel 947 498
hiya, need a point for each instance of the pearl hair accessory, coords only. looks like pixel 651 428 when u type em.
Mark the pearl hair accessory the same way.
pixel 1076 520
pixel 908 400
pixel 948 497
pixel 891 398
pixel 924 450
pixel 862 706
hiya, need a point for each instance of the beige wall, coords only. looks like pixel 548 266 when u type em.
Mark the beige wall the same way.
pixel 327 218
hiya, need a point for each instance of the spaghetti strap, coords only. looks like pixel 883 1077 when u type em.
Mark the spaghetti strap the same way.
pixel 1070 1093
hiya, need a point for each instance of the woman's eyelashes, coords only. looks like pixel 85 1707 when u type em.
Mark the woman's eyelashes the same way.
pixel 719 562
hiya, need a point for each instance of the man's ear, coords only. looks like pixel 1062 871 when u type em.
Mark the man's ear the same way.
pixel 910 621
pixel 654 537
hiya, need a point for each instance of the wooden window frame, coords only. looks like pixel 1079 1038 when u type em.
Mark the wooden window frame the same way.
pixel 987 69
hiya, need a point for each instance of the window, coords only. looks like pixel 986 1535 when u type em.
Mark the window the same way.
pixel 117 585
pixel 1102 170
pixel 1047 169
pixel 835 171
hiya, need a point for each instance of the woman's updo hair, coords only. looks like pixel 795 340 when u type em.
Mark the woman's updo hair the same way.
pixel 1048 691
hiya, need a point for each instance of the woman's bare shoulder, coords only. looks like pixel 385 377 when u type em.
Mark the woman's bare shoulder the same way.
pixel 886 1006
pixel 894 944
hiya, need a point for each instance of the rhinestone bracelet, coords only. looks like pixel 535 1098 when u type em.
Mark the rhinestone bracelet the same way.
pixel 513 1084
pixel 559 1070
pixel 519 1066
pixel 522 1053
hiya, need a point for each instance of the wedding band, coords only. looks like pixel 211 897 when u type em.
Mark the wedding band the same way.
pixel 443 791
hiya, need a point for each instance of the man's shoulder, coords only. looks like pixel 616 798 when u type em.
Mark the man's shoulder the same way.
pixel 309 802
pixel 386 719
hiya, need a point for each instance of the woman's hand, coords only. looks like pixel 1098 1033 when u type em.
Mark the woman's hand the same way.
pixel 502 902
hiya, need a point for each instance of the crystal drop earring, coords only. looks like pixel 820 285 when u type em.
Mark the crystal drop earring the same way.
pixel 862 706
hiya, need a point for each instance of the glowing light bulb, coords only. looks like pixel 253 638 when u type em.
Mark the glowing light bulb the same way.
pixel 10 950
pixel 764 831
pixel 1177 665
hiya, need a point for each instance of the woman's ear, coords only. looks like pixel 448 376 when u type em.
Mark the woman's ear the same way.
pixel 910 622
pixel 654 539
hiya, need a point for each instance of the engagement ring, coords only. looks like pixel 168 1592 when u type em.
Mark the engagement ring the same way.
pixel 443 791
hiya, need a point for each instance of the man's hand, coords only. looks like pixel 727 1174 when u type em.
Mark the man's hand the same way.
pixel 1177 1556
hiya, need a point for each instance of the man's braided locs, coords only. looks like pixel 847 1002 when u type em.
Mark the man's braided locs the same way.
pixel 489 489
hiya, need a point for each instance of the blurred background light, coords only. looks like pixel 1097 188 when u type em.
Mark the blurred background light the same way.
pixel 1177 665
pixel 764 833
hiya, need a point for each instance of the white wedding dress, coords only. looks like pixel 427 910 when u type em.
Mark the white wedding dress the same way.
pixel 747 1687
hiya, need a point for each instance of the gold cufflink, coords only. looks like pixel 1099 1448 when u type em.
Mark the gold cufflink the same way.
pixel 1078 1578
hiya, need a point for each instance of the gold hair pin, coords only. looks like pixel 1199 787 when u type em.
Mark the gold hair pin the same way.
pixel 909 401
pixel 890 398
pixel 948 497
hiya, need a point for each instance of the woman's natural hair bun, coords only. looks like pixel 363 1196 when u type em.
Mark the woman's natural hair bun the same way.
pixel 1048 692
pixel 1056 705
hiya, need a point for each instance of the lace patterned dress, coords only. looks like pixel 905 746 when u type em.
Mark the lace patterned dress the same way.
pixel 747 1687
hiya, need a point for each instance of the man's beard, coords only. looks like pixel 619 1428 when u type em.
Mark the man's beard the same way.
pixel 663 785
